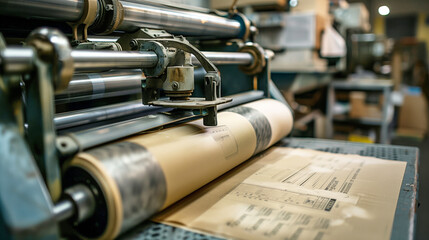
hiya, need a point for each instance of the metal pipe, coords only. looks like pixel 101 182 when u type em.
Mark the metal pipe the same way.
pixel 91 115
pixel 136 15
pixel 79 203
pixel 19 60
pixel 181 22
pixel 102 134
pixel 90 86
pixel 85 60
pixel 222 58
pixel 63 210
pixel 58 10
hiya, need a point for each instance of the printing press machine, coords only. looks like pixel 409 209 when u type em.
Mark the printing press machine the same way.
pixel 80 74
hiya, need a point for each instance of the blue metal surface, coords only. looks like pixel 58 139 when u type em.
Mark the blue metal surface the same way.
pixel 25 205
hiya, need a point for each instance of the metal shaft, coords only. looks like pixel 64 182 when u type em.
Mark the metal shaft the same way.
pixel 136 15
pixel 181 22
pixel 91 86
pixel 222 58
pixel 58 10
pixel 102 134
pixel 15 60
pixel 79 203
pixel 92 115
pixel 85 60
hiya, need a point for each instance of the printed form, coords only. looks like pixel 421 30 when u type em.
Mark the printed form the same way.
pixel 297 194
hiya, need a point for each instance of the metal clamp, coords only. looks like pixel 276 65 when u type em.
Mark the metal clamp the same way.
pixel 258 55
pixel 161 53
pixel 80 27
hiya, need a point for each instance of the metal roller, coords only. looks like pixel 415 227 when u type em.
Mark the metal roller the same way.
pixel 86 60
pixel 91 86
pixel 135 15
pixel 92 115
pixel 58 10
pixel 141 175
pixel 181 22
pixel 18 60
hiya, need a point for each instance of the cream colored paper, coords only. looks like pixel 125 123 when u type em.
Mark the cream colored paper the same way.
pixel 191 155
pixel 297 194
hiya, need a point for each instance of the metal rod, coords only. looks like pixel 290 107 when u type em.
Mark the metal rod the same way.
pixel 91 86
pixel 63 210
pixel 102 134
pixel 86 116
pixel 107 133
pixel 181 22
pixel 222 58
pixel 98 60
pixel 79 203
pixel 15 60
pixel 92 115
pixel 58 10
pixel 136 15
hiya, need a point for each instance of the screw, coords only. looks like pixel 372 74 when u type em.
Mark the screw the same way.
pixel 175 85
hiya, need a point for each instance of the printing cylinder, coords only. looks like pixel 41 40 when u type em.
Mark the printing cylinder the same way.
pixel 141 175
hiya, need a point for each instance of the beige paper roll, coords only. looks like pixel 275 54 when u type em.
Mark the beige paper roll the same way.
pixel 144 174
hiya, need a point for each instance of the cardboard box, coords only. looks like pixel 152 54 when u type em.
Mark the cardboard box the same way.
pixel 289 30
pixel 360 109
pixel 413 117
pixel 226 4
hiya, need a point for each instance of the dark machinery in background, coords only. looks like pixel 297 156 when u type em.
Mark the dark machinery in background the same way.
pixel 67 90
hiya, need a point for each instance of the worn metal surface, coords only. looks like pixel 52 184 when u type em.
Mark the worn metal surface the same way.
pixel 139 178
pixel 25 204
pixel 91 86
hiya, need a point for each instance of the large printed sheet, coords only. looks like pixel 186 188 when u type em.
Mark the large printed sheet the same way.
pixel 296 194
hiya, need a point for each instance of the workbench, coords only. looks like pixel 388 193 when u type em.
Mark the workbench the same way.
pixel 404 224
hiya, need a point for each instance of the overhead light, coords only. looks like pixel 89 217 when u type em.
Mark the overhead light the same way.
pixel 293 3
pixel 383 10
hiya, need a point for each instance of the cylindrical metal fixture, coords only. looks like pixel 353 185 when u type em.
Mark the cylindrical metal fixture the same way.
pixel 90 86
pixel 86 116
pixel 136 15
pixel 57 10
pixel 20 59
pixel 16 59
pixel 222 58
pixel 86 60
pixel 83 200
pixel 91 115
pixel 181 22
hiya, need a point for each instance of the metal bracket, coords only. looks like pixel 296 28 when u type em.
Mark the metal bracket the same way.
pixel 53 71
pixel 211 84
pixel 175 52
pixel 80 27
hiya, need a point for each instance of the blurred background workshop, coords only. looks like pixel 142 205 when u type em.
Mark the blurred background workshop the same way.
pixel 214 119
